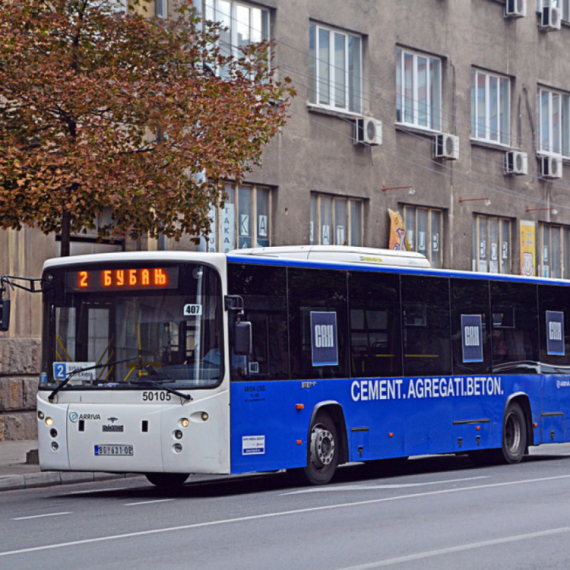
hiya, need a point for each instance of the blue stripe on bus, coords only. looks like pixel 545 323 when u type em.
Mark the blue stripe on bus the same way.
pixel 347 266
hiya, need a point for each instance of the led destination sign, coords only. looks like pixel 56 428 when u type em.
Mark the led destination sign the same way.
pixel 123 279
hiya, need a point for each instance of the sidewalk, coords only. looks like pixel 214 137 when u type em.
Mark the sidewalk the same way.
pixel 15 473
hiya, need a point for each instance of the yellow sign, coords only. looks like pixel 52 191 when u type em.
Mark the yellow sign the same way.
pixel 398 239
pixel 528 248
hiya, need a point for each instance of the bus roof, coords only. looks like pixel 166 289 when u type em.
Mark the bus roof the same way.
pixel 340 254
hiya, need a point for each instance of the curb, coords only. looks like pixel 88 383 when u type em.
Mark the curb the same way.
pixel 52 478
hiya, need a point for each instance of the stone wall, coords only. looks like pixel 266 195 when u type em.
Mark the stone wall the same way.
pixel 19 370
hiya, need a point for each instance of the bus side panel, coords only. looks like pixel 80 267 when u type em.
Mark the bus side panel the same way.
pixel 262 418
pixel 388 417
pixel 554 423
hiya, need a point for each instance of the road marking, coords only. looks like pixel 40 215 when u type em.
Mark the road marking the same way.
pixel 275 515
pixel 148 502
pixel 453 549
pixel 336 488
pixel 41 516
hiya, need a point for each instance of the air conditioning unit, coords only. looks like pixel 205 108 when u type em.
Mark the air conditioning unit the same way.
pixel 446 146
pixel 515 8
pixel 550 167
pixel 516 162
pixel 550 19
pixel 368 131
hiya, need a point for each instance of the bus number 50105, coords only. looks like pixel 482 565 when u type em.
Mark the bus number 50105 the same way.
pixel 156 397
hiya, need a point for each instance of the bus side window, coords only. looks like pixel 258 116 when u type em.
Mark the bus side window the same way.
pixel 425 314
pixel 515 325
pixel 317 294
pixel 263 290
pixel 375 343
pixel 554 325
pixel 470 304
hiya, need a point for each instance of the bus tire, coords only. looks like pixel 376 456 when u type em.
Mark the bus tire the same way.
pixel 167 480
pixel 514 434
pixel 323 450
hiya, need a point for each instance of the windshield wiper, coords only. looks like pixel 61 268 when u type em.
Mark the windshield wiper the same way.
pixel 79 370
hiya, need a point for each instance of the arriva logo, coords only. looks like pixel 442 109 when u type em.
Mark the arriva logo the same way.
pixel 73 417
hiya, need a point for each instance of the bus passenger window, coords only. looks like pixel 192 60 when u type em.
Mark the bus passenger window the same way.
pixel 554 340
pixel 263 290
pixel 375 346
pixel 425 313
pixel 317 291
pixel 515 326
pixel 470 305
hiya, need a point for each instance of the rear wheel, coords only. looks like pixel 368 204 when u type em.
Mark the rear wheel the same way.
pixel 514 434
pixel 167 480
pixel 323 450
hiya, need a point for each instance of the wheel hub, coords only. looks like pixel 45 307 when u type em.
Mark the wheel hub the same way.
pixel 322 447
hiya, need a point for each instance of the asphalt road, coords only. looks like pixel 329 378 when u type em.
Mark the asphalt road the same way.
pixel 438 512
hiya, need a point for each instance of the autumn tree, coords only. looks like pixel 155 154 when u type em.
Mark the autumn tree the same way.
pixel 107 109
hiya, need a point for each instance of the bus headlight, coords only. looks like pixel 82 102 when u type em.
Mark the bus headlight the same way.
pixel 49 422
pixel 41 415
pixel 177 447
pixel 184 422
pixel 53 432
pixel 178 434
pixel 54 445
pixel 205 416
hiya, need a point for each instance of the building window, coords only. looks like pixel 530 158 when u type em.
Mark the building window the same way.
pixel 242 25
pixel 492 244
pixel 244 221
pixel 553 122
pixel 490 107
pixel 554 251
pixel 335 69
pixel 335 221
pixel 424 232
pixel 161 8
pixel 418 84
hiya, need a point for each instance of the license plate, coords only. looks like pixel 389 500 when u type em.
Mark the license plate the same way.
pixel 114 450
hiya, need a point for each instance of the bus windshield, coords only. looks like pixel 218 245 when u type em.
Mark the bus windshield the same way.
pixel 133 326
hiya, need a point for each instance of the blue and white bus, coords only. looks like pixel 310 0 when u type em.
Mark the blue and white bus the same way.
pixel 170 363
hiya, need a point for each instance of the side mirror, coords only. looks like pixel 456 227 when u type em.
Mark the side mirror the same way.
pixel 4 314
pixel 242 338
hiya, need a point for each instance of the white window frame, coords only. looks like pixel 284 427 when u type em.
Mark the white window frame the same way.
pixel 161 13
pixel 434 123
pixel 315 225
pixel 563 142
pixel 545 265
pixel 214 241
pixel 503 137
pixel 211 10
pixel 503 242
pixel 315 82
pixel 412 236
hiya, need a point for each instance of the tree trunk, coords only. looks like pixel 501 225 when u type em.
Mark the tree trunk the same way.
pixel 66 233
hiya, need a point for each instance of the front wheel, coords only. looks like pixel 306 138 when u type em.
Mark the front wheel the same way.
pixel 323 450
pixel 167 480
pixel 514 434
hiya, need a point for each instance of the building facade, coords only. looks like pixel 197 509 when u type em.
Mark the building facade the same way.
pixel 454 113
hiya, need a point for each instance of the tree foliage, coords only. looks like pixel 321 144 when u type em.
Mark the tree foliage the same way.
pixel 104 110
